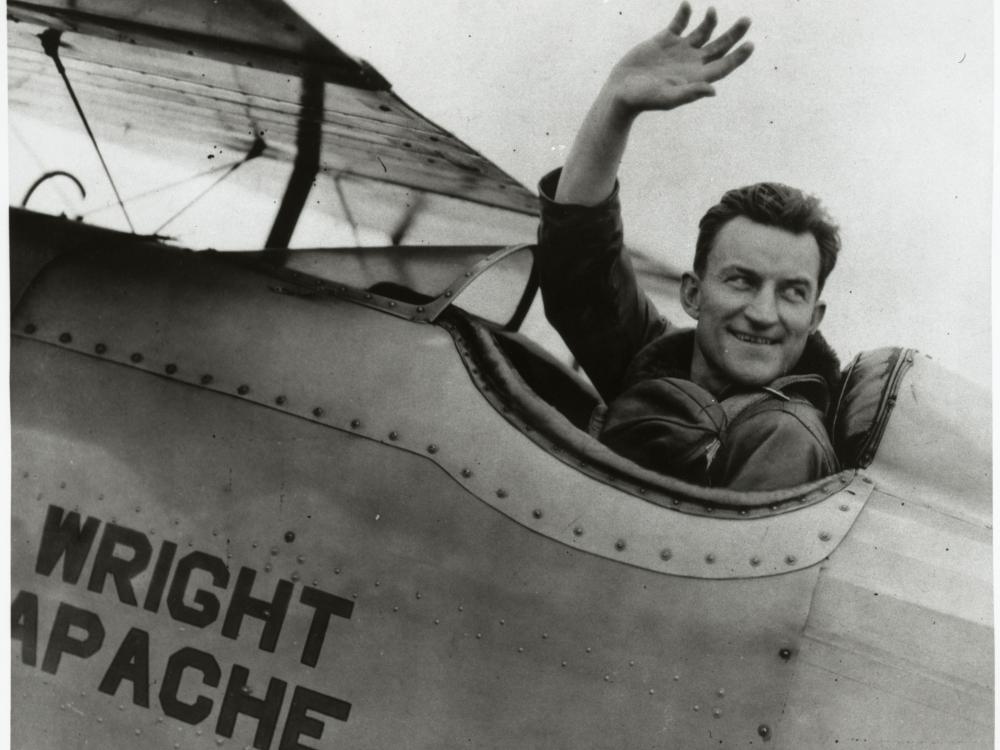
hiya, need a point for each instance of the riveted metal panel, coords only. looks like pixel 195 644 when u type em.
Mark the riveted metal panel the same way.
pixel 899 636
pixel 224 329
pixel 467 628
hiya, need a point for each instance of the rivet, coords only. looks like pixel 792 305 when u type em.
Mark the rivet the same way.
pixel 607 678
pixel 536 513
pixel 377 584
pixel 420 309
pixel 466 473
pixel 394 435
pixel 764 731
pixel 295 575
pixel 716 712
pixel 437 622
pixel 100 348
pixel 720 692
pixel 170 369
pixel 392 304
pixel 520 649
pixel 652 692
pixel 697 707
pixel 785 653
pixel 502 621
pixel 588 649
pixel 676 501
pixel 545 636
pixel 432 448
pixel 267 567
pixel 564 664
pixel 318 412
pixel 206 379
pixel 419 595
pixel 243 390
pixel 744 512
pixel 395 609
pixel 461 608
pixel 280 400
pixel 65 338
pixel 631 663
pixel 336 571
pixel 677 678
pixel 710 509
pixel 773 507
pixel 138 732
pixel 824 536
pixel 136 357
pixel 866 480
pixel 100 720
pixel 620 545
pixel 355 423
pixel 30 328
pixel 300 558
pixel 790 559
pixel 368 296
pixel 479 635
pixel 710 558
pixel 448 293
pixel 755 561
pixel 666 554
pixel 501 493
pixel 844 508
pixel 274 551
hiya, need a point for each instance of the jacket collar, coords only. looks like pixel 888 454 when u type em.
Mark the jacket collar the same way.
pixel 669 356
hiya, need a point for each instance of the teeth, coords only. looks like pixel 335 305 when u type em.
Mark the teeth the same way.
pixel 753 339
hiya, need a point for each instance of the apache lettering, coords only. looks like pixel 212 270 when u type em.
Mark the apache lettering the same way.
pixel 195 592
pixel 189 681
pixel 197 589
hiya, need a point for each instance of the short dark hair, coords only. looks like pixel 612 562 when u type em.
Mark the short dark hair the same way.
pixel 772 204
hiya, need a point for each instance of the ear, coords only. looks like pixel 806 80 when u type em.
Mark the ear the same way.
pixel 691 294
pixel 817 317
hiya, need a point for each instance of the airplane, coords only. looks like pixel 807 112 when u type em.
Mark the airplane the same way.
pixel 300 497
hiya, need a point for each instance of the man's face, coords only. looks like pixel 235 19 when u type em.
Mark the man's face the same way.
pixel 755 304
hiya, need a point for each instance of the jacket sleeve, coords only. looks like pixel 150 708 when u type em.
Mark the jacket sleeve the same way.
pixel 589 288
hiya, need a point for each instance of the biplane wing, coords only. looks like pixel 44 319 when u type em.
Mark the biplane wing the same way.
pixel 206 83
pixel 323 498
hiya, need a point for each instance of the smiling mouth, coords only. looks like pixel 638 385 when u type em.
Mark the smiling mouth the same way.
pixel 748 339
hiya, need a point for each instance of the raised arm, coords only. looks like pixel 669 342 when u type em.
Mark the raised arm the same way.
pixel 664 72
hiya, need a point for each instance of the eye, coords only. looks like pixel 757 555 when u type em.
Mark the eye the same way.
pixel 739 281
pixel 796 294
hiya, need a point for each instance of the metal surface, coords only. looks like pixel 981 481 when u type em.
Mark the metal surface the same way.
pixel 288 534
pixel 204 317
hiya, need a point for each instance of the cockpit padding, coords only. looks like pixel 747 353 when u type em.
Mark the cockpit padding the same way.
pixel 548 401
pixel 870 384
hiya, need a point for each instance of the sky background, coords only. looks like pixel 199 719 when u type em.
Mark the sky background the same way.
pixel 882 109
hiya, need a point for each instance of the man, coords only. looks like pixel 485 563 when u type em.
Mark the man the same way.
pixel 739 401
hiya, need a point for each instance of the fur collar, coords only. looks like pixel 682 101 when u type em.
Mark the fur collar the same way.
pixel 669 356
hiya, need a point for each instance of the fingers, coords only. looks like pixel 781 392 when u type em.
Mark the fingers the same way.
pixel 680 22
pixel 725 42
pixel 724 66
pixel 703 31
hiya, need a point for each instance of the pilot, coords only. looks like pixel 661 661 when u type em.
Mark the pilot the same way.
pixel 740 400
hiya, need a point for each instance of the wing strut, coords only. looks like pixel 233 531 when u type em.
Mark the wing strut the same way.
pixel 308 141
pixel 50 43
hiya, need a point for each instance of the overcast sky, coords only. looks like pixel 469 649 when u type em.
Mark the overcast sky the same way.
pixel 883 109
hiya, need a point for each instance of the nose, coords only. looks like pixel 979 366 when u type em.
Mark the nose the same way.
pixel 762 309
